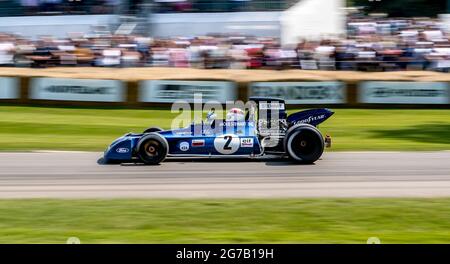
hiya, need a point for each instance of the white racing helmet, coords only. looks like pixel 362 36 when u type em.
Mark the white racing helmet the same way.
pixel 235 114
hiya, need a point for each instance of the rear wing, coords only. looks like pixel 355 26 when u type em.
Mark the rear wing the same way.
pixel 313 117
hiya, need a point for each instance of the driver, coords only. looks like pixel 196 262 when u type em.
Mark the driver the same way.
pixel 235 114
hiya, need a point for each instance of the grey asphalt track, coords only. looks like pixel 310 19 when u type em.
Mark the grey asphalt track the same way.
pixel 346 174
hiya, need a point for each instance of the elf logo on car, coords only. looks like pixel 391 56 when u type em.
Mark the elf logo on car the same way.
pixel 246 142
pixel 184 146
pixel 122 150
pixel 198 142
pixel 227 144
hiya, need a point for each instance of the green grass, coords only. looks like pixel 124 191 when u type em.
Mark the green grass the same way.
pixel 38 128
pixel 226 221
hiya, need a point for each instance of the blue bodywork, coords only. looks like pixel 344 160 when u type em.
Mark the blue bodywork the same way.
pixel 196 140
pixel 313 117
pixel 221 138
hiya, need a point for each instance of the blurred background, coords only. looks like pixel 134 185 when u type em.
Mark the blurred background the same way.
pixel 239 34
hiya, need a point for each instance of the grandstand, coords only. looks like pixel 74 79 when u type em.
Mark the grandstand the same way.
pixel 83 7
pixel 166 18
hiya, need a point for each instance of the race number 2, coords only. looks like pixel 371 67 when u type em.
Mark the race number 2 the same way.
pixel 227 144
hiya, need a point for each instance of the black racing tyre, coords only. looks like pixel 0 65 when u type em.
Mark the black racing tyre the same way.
pixel 304 143
pixel 152 149
pixel 152 129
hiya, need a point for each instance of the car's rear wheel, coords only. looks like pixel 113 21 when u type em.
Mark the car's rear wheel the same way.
pixel 304 143
pixel 152 149
pixel 152 129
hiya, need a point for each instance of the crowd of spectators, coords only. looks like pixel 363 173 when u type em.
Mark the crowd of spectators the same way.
pixel 370 45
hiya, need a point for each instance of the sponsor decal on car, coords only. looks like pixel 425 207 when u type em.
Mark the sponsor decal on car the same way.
pixel 246 142
pixel 309 119
pixel 233 123
pixel 122 150
pixel 271 106
pixel 184 146
pixel 182 133
pixel 198 142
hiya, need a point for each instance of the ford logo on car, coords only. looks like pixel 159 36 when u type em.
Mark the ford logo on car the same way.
pixel 122 150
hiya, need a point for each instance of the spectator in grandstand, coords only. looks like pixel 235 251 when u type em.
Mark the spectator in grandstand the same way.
pixel 7 50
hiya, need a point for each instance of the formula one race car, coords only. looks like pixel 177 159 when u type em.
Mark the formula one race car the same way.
pixel 264 129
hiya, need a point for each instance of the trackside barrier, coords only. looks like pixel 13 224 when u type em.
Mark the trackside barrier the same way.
pixel 86 90
pixel 169 91
pixel 299 93
pixel 9 89
pixel 144 93
pixel 365 94
pixel 70 92
pixel 382 92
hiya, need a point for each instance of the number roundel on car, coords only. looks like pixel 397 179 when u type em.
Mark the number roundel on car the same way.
pixel 227 144
pixel 184 146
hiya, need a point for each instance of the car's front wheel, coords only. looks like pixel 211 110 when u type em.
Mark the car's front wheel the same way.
pixel 152 149
pixel 304 143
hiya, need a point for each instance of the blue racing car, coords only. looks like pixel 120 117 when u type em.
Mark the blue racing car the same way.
pixel 264 129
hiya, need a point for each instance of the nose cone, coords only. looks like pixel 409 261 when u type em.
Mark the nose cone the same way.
pixel 120 149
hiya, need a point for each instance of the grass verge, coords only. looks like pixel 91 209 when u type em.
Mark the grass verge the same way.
pixel 226 221
pixel 38 128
